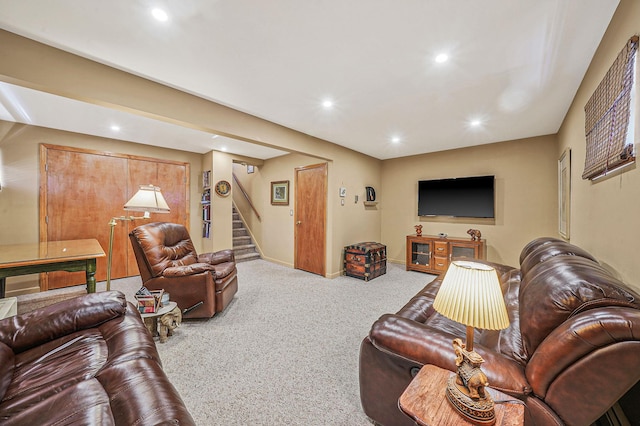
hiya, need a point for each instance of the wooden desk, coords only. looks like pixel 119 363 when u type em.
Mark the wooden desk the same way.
pixel 425 402
pixel 70 256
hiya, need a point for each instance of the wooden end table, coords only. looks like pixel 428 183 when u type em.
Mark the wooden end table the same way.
pixel 425 402
pixel 151 319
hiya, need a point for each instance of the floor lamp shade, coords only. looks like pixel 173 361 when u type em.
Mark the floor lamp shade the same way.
pixel 147 199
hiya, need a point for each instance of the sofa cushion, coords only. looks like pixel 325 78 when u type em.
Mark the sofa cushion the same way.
pixel 563 286
pixel 551 249
pixel 508 341
pixel 80 403
pixel 51 322
pixel 6 368
pixel 534 244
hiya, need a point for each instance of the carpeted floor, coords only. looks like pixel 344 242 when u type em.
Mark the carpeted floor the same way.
pixel 285 351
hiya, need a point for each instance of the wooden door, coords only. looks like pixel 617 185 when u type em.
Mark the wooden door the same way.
pixel 81 190
pixel 79 203
pixel 311 213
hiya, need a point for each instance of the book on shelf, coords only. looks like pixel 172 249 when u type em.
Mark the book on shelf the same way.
pixel 206 229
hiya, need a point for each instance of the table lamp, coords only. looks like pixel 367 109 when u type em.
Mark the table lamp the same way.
pixel 148 199
pixel 470 294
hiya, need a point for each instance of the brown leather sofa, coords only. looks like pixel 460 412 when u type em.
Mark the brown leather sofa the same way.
pixel 571 352
pixel 168 260
pixel 84 361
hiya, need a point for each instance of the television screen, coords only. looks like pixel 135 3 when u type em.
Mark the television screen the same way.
pixel 458 197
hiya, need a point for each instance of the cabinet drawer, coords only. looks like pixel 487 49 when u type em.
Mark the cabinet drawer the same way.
pixel 440 263
pixel 441 248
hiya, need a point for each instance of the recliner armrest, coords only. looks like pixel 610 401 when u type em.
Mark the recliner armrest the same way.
pixel 217 257
pixel 184 270
pixel 28 330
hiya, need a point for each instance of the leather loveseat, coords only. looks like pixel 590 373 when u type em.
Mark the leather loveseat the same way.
pixel 84 361
pixel 202 284
pixel 571 352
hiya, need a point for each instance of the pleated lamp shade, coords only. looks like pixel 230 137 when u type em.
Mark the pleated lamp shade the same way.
pixel 470 294
pixel 148 199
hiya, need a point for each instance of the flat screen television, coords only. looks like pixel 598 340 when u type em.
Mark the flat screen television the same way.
pixel 457 197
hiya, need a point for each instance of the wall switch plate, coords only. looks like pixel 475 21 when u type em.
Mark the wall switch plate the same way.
pixel 343 191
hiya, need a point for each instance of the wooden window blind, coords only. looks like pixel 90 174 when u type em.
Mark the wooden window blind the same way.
pixel 607 115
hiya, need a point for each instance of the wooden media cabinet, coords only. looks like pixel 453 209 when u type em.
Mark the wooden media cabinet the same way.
pixel 432 254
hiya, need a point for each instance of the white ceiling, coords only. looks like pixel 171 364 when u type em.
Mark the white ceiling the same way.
pixel 514 64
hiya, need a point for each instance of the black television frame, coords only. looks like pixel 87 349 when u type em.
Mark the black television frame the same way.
pixel 464 197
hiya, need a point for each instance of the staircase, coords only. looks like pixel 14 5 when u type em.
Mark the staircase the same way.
pixel 243 248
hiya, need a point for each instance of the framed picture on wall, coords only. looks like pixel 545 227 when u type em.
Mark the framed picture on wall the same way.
pixel 564 193
pixel 280 193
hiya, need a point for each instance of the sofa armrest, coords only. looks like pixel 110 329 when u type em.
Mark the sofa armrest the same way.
pixel 217 257
pixel 43 325
pixel 605 329
pixel 423 344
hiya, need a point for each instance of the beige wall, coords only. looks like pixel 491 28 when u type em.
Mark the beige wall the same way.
pixel 604 215
pixel 19 174
pixel 346 224
pixel 526 195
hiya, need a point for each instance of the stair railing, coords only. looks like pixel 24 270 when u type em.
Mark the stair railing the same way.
pixel 246 196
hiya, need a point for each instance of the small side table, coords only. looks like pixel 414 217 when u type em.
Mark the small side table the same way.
pixel 151 319
pixel 425 402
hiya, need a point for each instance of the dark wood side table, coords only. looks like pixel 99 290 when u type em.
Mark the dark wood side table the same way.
pixel 425 402
pixel 70 256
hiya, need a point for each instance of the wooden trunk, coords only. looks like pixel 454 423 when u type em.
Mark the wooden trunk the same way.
pixel 365 260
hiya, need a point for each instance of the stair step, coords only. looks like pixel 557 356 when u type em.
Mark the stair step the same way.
pixel 241 240
pixel 243 248
pixel 240 232
pixel 248 249
pixel 247 257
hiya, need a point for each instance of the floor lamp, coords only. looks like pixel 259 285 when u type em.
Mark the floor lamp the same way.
pixel 148 199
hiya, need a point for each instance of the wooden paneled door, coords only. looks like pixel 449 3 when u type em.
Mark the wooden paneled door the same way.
pixel 311 218
pixel 81 190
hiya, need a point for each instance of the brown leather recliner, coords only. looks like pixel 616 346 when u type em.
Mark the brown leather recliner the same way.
pixel 168 260
pixel 572 349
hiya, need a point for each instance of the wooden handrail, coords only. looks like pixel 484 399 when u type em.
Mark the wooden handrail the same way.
pixel 246 196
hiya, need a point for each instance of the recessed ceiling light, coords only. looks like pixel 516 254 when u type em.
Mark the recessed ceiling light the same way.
pixel 224 149
pixel 443 57
pixel 160 15
pixel 328 103
pixel 475 123
pixel 115 128
pixel 395 139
